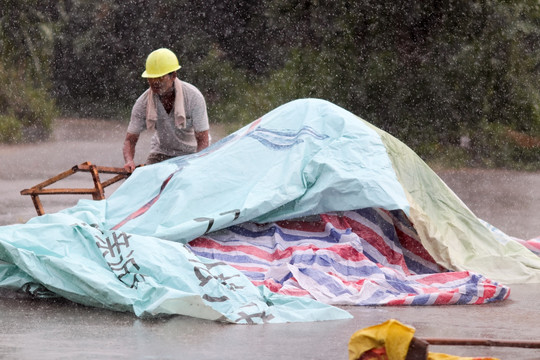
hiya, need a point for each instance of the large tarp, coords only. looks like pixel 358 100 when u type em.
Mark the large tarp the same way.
pixel 311 157
pixel 363 257
pixel 70 255
pixel 305 158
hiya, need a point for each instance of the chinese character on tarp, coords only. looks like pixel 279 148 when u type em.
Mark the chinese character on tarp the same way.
pixel 120 258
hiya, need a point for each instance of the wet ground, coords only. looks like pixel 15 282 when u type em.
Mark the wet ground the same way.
pixel 63 330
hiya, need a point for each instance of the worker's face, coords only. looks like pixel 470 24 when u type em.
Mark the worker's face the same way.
pixel 162 85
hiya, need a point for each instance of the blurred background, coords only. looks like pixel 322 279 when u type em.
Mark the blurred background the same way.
pixel 457 81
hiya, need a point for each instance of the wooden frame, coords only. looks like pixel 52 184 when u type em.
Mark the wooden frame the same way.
pixel 98 192
pixel 484 342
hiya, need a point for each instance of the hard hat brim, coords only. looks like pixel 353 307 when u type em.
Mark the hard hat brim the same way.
pixel 147 75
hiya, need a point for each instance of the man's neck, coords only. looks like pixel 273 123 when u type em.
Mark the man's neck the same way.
pixel 167 99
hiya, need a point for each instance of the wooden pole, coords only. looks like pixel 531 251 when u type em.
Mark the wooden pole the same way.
pixel 37 204
pixel 98 194
pixel 484 342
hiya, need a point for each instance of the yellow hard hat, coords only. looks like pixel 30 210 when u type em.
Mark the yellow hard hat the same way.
pixel 160 62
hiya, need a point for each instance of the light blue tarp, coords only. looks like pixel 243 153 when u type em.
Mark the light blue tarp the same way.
pixel 306 157
pixel 297 160
pixel 69 255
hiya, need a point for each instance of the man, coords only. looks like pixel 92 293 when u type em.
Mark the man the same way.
pixel 174 108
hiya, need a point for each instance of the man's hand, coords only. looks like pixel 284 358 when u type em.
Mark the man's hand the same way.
pixel 130 166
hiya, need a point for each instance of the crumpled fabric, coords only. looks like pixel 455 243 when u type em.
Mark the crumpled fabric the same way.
pixel 390 341
pixel 304 158
pixel 73 256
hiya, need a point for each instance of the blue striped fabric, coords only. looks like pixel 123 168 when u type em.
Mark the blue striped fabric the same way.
pixel 364 257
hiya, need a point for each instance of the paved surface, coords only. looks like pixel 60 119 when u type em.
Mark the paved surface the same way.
pixel 63 330
pixel 44 330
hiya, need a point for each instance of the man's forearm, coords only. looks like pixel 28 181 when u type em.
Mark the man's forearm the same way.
pixel 128 150
pixel 202 140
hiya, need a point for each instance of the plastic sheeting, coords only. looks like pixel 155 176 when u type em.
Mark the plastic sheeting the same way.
pixel 312 157
pixel 71 256
pixel 363 257
pixel 306 157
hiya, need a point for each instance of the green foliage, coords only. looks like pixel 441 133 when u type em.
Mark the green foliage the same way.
pixel 26 47
pixel 428 72
pixel 27 37
pixel 493 147
pixel 102 48
pixel 26 112
pixel 304 75
pixel 10 129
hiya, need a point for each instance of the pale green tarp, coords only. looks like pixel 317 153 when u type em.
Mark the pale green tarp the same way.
pixel 452 234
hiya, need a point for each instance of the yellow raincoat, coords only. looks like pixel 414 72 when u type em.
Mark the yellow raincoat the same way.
pixel 394 337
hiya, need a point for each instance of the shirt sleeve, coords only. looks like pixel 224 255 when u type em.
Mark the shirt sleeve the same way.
pixel 197 108
pixel 137 122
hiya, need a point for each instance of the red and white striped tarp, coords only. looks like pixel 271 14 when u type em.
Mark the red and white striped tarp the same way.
pixel 363 257
pixel 532 244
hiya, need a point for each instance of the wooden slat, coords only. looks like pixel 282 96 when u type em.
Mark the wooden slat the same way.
pixel 98 192
pixel 60 191
pixel 104 169
pixel 52 180
pixel 113 180
pixel 484 342
pixel 38 205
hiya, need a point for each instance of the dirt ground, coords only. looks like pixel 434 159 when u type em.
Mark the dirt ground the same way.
pixel 63 330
